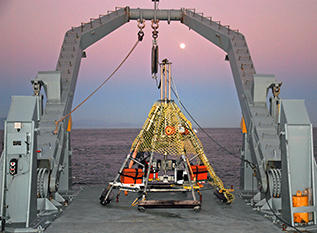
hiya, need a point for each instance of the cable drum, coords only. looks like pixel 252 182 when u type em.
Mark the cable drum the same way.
pixel 275 182
pixel 42 182
pixel 279 180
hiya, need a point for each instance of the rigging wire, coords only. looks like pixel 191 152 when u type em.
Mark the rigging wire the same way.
pixel 174 89
pixel 194 120
pixel 140 37
pixel 252 165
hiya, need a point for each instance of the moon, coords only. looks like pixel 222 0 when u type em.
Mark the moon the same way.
pixel 182 45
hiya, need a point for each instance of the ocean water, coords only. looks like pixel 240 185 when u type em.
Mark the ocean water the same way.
pixel 99 153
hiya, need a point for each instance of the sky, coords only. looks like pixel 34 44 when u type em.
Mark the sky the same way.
pixel 281 36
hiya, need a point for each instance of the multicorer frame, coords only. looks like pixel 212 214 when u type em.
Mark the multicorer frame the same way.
pixel 166 156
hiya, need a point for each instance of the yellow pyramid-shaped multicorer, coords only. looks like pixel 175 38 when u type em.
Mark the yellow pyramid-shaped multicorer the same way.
pixel 166 131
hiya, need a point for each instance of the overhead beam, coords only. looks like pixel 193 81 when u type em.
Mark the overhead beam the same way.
pixel 148 14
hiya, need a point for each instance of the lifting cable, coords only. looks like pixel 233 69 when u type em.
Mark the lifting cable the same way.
pixel 194 120
pixel 251 164
pixel 141 25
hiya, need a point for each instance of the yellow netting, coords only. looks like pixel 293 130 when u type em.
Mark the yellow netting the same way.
pixel 166 131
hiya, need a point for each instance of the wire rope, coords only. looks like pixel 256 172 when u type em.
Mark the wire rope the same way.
pixel 98 88
pixel 194 120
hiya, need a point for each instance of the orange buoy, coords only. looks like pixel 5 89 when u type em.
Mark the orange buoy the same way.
pixel 300 200
pixel 186 131
pixel 169 130
pixel 183 130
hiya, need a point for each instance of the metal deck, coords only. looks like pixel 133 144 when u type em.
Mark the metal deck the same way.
pixel 85 214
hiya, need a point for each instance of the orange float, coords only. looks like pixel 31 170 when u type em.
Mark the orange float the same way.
pixel 169 130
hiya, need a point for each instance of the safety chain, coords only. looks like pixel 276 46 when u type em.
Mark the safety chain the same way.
pixel 155 26
pixel 141 25
pixel 155 22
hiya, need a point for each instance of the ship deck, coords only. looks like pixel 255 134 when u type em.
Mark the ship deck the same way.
pixel 85 214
